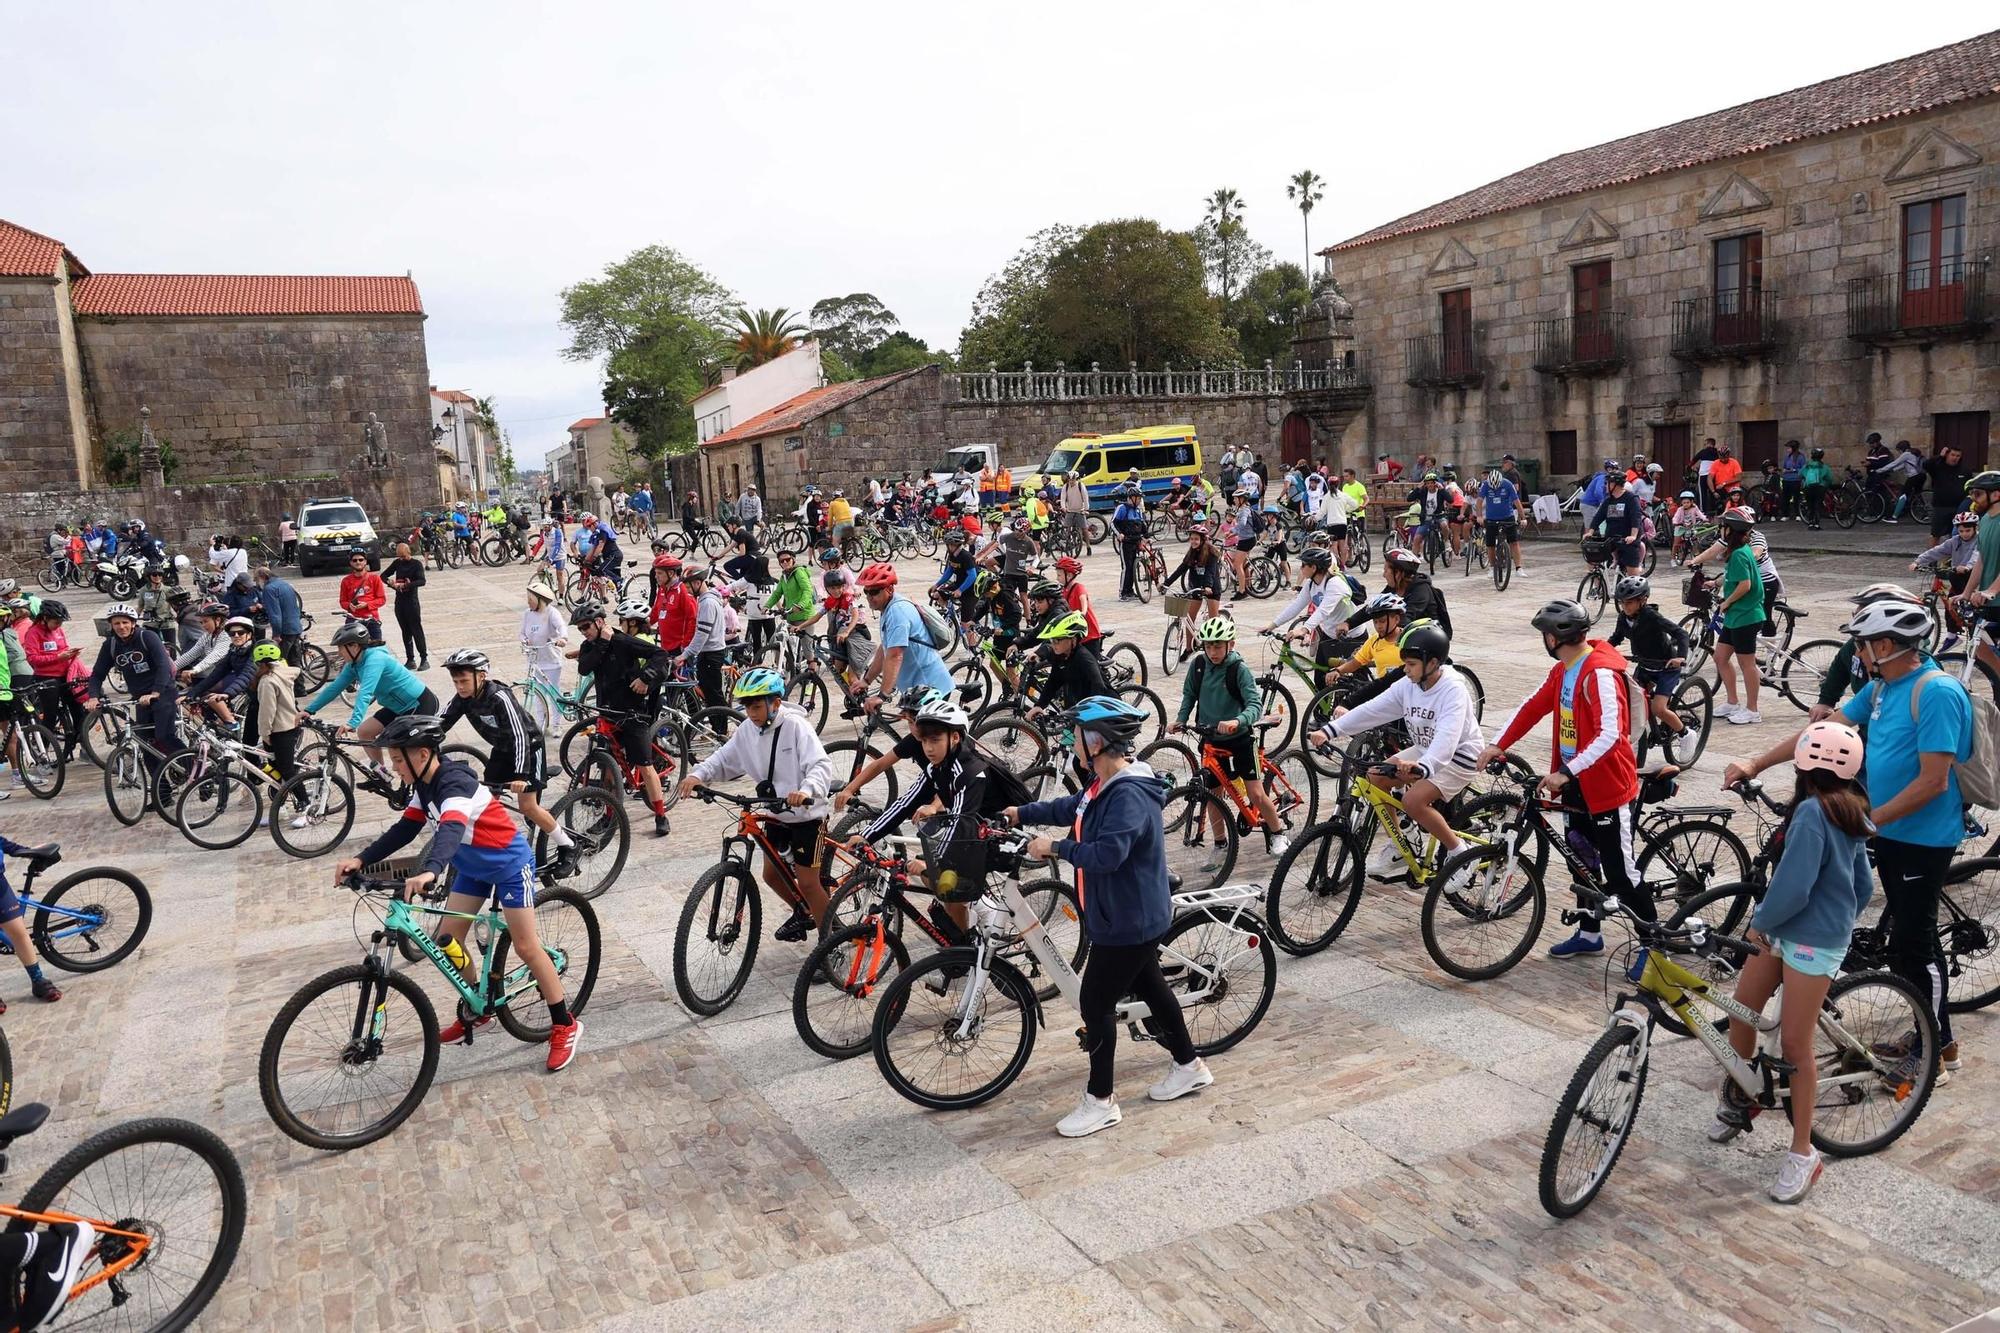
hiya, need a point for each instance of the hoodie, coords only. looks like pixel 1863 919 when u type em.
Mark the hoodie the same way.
pixel 1118 845
pixel 1603 766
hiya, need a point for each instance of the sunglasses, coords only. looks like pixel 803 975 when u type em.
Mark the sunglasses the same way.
pixel 242 633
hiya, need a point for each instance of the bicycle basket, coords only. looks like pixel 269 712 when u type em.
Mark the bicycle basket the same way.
pixel 1696 592
pixel 1596 550
pixel 967 856
pixel 1178 606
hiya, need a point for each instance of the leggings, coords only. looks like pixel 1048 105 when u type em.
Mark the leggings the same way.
pixel 758 631
pixel 1128 566
pixel 1911 879
pixel 1113 972
pixel 1609 836
pixel 284 748
pixel 410 620
pixel 708 675
pixel 1815 505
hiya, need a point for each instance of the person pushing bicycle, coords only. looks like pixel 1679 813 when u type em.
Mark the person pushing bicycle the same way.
pixel 516 760
pixel 628 672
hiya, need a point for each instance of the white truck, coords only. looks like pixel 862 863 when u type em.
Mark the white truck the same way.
pixel 971 458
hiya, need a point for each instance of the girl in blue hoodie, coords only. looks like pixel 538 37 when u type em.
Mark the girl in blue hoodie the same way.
pixel 1118 845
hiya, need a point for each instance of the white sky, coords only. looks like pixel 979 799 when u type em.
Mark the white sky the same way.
pixel 502 150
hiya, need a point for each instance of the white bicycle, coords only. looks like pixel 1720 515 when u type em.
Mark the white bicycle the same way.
pixel 954 1029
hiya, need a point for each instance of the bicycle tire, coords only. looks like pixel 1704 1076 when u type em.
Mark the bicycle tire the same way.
pixel 880 791
pixel 1612 1137
pixel 1487 815
pixel 731 927
pixel 896 1028
pixel 334 817
pixel 809 692
pixel 1900 1009
pixel 91 891
pixel 1261 577
pixel 1130 652
pixel 103 731
pixel 1173 761
pixel 287 1118
pixel 564 919
pixel 1175 647
pixel 1298 808
pixel 1205 949
pixel 1592 594
pixel 1364 555
pixel 1013 740
pixel 1874 506
pixel 50 579
pixel 1688 859
pixel 597 823
pixel 1448 906
pixel 1971 940
pixel 1844 502
pixel 1278 724
pixel 128 787
pixel 40 762
pixel 1474 687
pixel 493 552
pixel 174 775
pixel 139 1282
pixel 1701 640
pixel 1190 812
pixel 1315 889
pixel 1952 662
pixel 1140 697
pixel 849 969
pixel 1502 566
pixel 202 810
pixel 1693 702
pixel 315 668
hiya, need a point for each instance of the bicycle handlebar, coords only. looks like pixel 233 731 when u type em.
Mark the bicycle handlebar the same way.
pixel 1750 789
pixel 712 794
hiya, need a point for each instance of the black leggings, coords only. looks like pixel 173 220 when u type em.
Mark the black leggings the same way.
pixel 758 632
pixel 708 675
pixel 1128 566
pixel 1609 834
pixel 1114 972
pixel 410 620
pixel 1911 878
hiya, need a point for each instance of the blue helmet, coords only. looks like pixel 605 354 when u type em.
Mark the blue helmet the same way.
pixel 1114 719
pixel 758 683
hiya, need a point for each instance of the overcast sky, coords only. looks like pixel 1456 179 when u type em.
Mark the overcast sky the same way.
pixel 502 150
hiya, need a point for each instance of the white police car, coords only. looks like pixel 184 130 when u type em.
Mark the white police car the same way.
pixel 332 529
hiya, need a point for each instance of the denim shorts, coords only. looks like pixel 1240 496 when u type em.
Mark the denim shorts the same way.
pixel 1812 959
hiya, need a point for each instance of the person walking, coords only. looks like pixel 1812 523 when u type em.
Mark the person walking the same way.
pixel 1076 512
pixel 1947 474
pixel 1817 477
pixel 1791 481
pixel 406 575
pixel 278 601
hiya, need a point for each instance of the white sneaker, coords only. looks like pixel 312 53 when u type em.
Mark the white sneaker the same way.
pixel 1383 862
pixel 1214 861
pixel 302 821
pixel 1796 1175
pixel 1727 711
pixel 1279 845
pixel 1743 717
pixel 1090 1116
pixel 1181 1080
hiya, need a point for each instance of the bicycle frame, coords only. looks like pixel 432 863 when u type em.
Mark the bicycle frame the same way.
pixel 405 920
pixel 136 1244
pixel 1386 805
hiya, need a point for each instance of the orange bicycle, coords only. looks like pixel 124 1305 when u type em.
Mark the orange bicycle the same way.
pixel 1203 793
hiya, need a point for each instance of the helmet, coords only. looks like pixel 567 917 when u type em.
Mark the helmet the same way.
pixel 1020 524
pixel 984 582
pixel 1613 465
pixel 836 578
pixel 542 588
pixel 634 608
pixel 1045 590
pixel 1316 555
pixel 1403 559
pixel 1069 564
pixel 267 652
pixel 943 711
pixel 956 537
pixel 1876 592
pixel 1071 626
pixel 914 698
pixel 1960 520
pixel 1632 585
pixel 1565 619
pixel 1687 495
pixel 459 505
pixel 1988 480
pixel 1735 520
pixel 1832 746
pixel 8 587
pixel 180 595
pixel 215 609
pixel 759 683
pixel 354 631
pixel 697 573
pixel 1905 622
pixel 412 730
pixel 1115 720
pixel 1425 641
pixel 1382 604
pixel 233 623
pixel 1217 629
pixel 831 554
pixel 467 659
pixel 1198 530
pixel 667 563
pixel 1430 476
pixel 121 609
pixel 1652 468
pixel 878 575
pixel 587 613
pixel 738 597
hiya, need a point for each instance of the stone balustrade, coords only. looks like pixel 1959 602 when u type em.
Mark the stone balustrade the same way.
pixel 1031 385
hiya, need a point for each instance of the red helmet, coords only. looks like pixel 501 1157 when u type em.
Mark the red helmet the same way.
pixel 877 575
pixel 666 560
pixel 1069 564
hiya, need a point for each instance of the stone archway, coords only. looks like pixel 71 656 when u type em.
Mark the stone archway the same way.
pixel 1295 439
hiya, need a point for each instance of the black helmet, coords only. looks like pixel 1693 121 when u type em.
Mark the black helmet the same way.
pixel 1047 590
pixel 1567 621
pixel 52 610
pixel 1988 480
pixel 1426 641
pixel 1632 585
pixel 354 631
pixel 587 613
pixel 179 595
pixel 1316 555
pixel 1818 452
pixel 411 730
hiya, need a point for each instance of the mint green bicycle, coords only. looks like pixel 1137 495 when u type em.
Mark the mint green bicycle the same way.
pixel 546 699
pixel 350 1057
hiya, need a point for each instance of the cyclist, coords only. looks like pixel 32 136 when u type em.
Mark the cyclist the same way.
pixel 1501 514
pixel 628 673
pixel 674 610
pixel 1591 756
pixel 1069 577
pixel 778 745
pixel 14 925
pixel 1457 512
pixel 708 646
pixel 141 659
pixel 792 594
pixel 1378 652
pixel 1654 638
pixel 1803 925
pixel 1128 521
pixel 1622 520
pixel 1074 674
pixel 478 840
pixel 1742 615
pixel 1322 601
pixel 1685 519
pixel 1403 572
pixel 1201 568
pixel 1442 757
pixel 1118 846
pixel 275 718
pixel 1221 694
pixel 1959 554
pixel 909 655
pixel 231 676
pixel 906 749
pixel 1982 498
pixel 1432 506
pixel 51 658
pixel 374 676
pixel 958 576
pixel 515 758
pixel 543 632
pixel 605 558
pixel 848 643
pixel 362 593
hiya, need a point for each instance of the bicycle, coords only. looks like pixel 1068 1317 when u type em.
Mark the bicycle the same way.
pixel 724 910
pixel 546 701
pixel 1861 1102
pixel 357 1058
pixel 91 920
pixel 1593 593
pixel 1289 781
pixel 59 572
pixel 939 1021
pixel 1693 702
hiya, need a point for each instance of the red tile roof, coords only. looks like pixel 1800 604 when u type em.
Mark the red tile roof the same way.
pixel 453 395
pixel 1957 73
pixel 585 423
pixel 808 406
pixel 231 294
pixel 29 254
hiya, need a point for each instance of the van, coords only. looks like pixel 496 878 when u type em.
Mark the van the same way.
pixel 1104 462
pixel 331 529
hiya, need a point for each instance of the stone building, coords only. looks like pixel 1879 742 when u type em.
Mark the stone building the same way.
pixel 602 448
pixel 1814 265
pixel 833 435
pixel 459 432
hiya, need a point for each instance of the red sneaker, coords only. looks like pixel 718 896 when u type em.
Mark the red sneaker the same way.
pixel 562 1045
pixel 456 1033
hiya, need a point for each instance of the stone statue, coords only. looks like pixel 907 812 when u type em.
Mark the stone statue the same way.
pixel 374 443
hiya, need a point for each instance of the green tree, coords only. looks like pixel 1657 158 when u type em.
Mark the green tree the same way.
pixel 649 287
pixel 650 384
pixel 1267 313
pixel 1307 188
pixel 900 351
pixel 850 325
pixel 1227 250
pixel 507 470
pixel 1006 327
pixel 763 335
pixel 835 368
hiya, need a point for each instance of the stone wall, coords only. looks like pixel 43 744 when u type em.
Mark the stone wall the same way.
pixel 35 427
pixel 1829 210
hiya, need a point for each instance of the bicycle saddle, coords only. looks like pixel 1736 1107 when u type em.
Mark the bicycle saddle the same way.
pixel 1173 882
pixel 47 854
pixel 22 1121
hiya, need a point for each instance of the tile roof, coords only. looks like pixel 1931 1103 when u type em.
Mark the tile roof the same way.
pixel 232 294
pixel 29 254
pixel 453 395
pixel 808 406
pixel 585 423
pixel 1957 73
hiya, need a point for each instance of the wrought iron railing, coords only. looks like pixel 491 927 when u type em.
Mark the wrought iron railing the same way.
pixel 1580 344
pixel 1203 381
pixel 1919 300
pixel 1444 360
pixel 1728 323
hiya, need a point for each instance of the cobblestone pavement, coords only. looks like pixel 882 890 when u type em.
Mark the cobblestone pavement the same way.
pixel 1367 1157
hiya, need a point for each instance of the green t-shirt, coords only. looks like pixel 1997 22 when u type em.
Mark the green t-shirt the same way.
pixel 794 592
pixel 1741 569
pixel 1989 547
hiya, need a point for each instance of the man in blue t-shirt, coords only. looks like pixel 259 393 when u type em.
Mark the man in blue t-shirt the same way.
pixel 907 659
pixel 1500 504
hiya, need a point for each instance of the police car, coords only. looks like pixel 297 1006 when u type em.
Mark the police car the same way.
pixel 332 529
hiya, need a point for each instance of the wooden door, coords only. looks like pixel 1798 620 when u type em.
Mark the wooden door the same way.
pixel 1455 323
pixel 1590 306
pixel 1934 263
pixel 1674 453
pixel 1760 446
pixel 1967 431
pixel 1295 439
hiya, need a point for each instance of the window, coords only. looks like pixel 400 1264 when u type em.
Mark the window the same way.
pixel 1934 262
pixel 1169 455
pixel 1739 281
pixel 1455 323
pixel 1121 461
pixel 1590 303
pixel 1562 453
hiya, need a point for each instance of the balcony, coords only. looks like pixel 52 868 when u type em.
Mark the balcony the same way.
pixel 1581 344
pixel 1730 326
pixel 1444 361
pixel 1924 303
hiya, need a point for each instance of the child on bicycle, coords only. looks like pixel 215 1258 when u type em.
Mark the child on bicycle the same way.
pixel 277 714
pixel 1657 641
pixel 778 745
pixel 516 760
pixel 1802 929
pixel 479 840
pixel 1956 554
pixel 14 925
pixel 1069 577
pixel 1220 693
pixel 543 633
pixel 1378 652
pixel 1686 517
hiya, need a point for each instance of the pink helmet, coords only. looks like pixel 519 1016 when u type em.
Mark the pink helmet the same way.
pixel 1829 745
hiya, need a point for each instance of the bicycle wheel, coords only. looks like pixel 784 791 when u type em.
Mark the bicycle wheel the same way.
pixel 1126 657
pixel 175 773
pixel 849 758
pixel 327 1085
pixel 1683 860
pixel 1845 503
pixel 1016 742
pixel 103 731
pixel 1481 916
pixel 1279 724
pixel 1224 974
pixel 1474 687
pixel 1174 762
pixel 50 578
pixel 171 1181
pixel 1701 641
pixel 838 989
pixel 315 668
pixel 1261 577
pixel 1803 670
pixel 1293 787
pixel 1593 1121
pixel 127 785
pixel 1694 704
pixel 219 810
pixel 38 760
pixel 1971 935
pixel 567 930
pixel 1318 716
pixel 92 919
pixel 1874 506
pixel 809 692
pixel 715 944
pixel 493 551
pixel 1315 889
pixel 946 1037
pixel 1175 646
pixel 1592 594
pixel 1503 566
pixel 596 823
pixel 311 814
pixel 1193 815
pixel 1860 1105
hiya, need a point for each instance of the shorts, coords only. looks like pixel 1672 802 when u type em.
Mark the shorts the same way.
pixel 10 903
pixel 1238 756
pixel 1450 780
pixel 1811 959
pixel 1246 544
pixel 1742 638
pixel 635 737
pixel 798 843
pixel 1630 554
pixel 426 706
pixel 504 769
pixel 513 889
pixel 1337 531
pixel 1502 530
pixel 1662 682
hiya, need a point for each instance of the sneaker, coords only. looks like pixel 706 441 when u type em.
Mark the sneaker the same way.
pixel 564 863
pixel 60 1253
pixel 1948 1057
pixel 1733 1113
pixel 1577 945
pixel 1090 1116
pixel 1950 641
pixel 302 821
pixel 1728 712
pixel 795 928
pixel 1796 1174
pixel 1181 1080
pixel 661 828
pixel 1384 863
pixel 1214 861
pixel 460 1031
pixel 562 1044
pixel 1744 717
pixel 47 990
pixel 1279 845
pixel 1891 521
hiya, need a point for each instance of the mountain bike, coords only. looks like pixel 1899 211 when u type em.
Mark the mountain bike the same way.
pixel 59 572
pixel 1693 702
pixel 1862 1102
pixel 545 699
pixel 350 1056
pixel 955 1029
pixel 1288 780
pixel 715 943
pixel 90 920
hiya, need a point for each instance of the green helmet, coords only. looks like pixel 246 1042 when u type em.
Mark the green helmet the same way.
pixel 1217 629
pixel 1071 626
pixel 267 652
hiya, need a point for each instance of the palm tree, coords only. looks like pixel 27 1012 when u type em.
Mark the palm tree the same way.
pixel 763 335
pixel 1225 221
pixel 1308 188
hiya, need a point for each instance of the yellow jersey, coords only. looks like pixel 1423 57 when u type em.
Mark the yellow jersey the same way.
pixel 840 511
pixel 1380 654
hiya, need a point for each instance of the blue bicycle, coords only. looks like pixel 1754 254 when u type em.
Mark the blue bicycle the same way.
pixel 91 920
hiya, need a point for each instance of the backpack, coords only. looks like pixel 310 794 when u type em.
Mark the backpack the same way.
pixel 1979 772
pixel 1004 788
pixel 1199 668
pixel 938 632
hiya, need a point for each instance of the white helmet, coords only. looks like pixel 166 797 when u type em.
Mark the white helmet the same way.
pixel 634 608
pixel 944 711
pixel 121 609
pixel 1905 622
pixel 1833 746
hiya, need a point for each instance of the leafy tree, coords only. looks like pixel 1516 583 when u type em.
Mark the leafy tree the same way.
pixel 507 470
pixel 1227 250
pixel 1268 310
pixel 835 368
pixel 1006 327
pixel 900 351
pixel 850 325
pixel 640 292
pixel 650 384
pixel 763 335
pixel 1307 188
